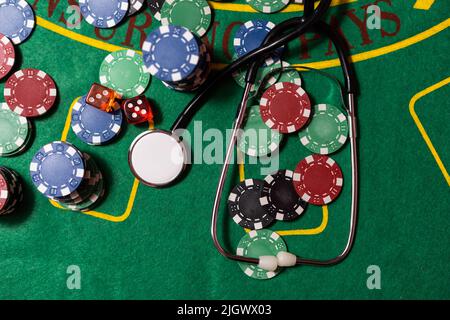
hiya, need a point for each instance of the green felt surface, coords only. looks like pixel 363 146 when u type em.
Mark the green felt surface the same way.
pixel 164 249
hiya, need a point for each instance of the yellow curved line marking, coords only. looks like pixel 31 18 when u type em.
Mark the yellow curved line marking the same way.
pixel 309 232
pixel 237 7
pixel 76 36
pixel 421 128
pixel 317 65
pixel 96 214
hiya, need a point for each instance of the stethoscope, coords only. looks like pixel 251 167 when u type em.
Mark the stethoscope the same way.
pixel 167 164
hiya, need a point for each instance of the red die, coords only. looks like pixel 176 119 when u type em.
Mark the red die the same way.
pixel 137 110
pixel 102 98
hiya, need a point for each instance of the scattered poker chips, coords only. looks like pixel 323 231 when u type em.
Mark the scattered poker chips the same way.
pixel 16 20
pixel 192 14
pixel 244 205
pixel 135 6
pixel 104 13
pixel 265 77
pixel 30 92
pixel 7 55
pixel 286 107
pixel 15 132
pixel 155 8
pixel 64 174
pixel 124 72
pixel 318 179
pixel 11 191
pixel 93 126
pixel 255 244
pixel 257 139
pixel 327 132
pixel 281 200
pixel 268 6
pixel 251 35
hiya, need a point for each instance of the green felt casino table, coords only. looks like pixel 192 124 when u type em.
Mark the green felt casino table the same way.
pixel 145 243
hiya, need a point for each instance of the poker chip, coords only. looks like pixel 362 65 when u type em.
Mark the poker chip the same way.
pixel 290 75
pixel 318 179
pixel 57 169
pixel 7 56
pixel 124 72
pixel 16 20
pixel 244 206
pixel 268 6
pixel 281 199
pixel 171 53
pixel 257 139
pixel 285 107
pixel 155 8
pixel 93 126
pixel 103 13
pixel 251 35
pixel 327 132
pixel 30 92
pixel 192 14
pixel 135 6
pixel 11 191
pixel 90 191
pixel 255 244
pixel 265 75
pixel 14 131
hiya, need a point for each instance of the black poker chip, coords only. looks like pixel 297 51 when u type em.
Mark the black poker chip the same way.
pixel 244 205
pixel 280 198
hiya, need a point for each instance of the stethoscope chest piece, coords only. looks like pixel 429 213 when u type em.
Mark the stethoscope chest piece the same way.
pixel 157 157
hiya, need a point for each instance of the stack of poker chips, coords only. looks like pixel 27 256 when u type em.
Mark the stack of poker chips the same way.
pixel 67 176
pixel 177 57
pixel 11 192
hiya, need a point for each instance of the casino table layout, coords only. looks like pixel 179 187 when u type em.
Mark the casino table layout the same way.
pixel 146 243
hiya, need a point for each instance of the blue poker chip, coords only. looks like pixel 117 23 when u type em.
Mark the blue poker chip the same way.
pixel 57 169
pixel 104 13
pixel 251 35
pixel 16 20
pixel 93 126
pixel 171 53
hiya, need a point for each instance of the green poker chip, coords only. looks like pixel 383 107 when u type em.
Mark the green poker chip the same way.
pixel 258 139
pixel 265 74
pixel 124 72
pixel 291 75
pixel 268 6
pixel 14 131
pixel 327 132
pixel 258 243
pixel 192 14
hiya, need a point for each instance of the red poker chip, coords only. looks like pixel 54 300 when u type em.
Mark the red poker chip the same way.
pixel 7 55
pixel 285 107
pixel 4 192
pixel 30 92
pixel 318 179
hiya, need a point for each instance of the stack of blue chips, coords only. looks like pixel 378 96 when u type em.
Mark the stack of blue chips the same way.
pixel 67 176
pixel 177 57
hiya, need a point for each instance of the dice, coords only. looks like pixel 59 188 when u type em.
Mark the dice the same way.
pixel 137 110
pixel 103 98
